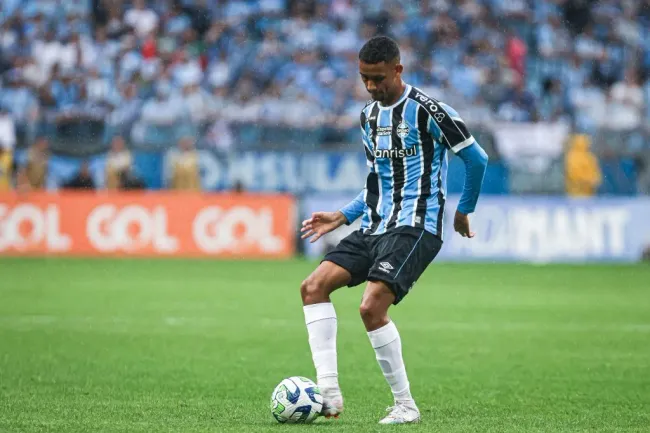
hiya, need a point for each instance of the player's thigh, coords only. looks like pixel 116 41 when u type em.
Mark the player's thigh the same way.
pixel 353 254
pixel 401 258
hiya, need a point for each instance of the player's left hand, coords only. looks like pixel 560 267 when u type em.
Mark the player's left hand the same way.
pixel 461 225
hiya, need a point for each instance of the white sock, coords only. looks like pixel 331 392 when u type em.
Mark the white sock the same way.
pixel 388 349
pixel 321 326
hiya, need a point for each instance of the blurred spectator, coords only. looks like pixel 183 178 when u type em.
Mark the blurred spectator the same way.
pixel 118 161
pixel 583 176
pixel 34 172
pixel 626 103
pixel 7 130
pixel 129 181
pixel 140 18
pixel 185 167
pixel 82 180
pixel 160 117
pixel 552 102
pixel 283 74
pixel 519 105
pixel 6 165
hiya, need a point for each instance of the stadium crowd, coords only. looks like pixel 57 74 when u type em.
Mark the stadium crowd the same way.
pixel 81 76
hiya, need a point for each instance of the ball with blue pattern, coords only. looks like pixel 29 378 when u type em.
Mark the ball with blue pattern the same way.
pixel 296 400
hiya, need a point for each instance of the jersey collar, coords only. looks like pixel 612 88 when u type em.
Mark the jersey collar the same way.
pixel 399 101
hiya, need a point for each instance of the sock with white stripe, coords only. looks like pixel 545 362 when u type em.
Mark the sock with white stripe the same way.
pixel 321 327
pixel 388 350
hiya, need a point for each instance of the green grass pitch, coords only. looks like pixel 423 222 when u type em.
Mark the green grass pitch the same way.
pixel 198 346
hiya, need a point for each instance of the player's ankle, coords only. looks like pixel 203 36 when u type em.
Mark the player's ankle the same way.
pixel 328 382
pixel 403 396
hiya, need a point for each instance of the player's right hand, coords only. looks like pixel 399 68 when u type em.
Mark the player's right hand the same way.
pixel 320 224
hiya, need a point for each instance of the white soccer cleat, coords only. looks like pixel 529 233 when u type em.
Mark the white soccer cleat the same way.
pixel 332 402
pixel 402 413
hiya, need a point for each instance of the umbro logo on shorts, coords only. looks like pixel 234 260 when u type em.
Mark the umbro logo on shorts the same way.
pixel 386 267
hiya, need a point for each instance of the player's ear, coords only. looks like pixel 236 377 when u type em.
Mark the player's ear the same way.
pixel 399 69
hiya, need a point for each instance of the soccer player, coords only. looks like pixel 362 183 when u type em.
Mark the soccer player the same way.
pixel 406 136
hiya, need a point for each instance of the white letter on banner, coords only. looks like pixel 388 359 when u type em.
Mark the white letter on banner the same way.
pixel 616 220
pixel 162 241
pixel 242 168
pixel 203 222
pixel 562 239
pixel 268 170
pixel 215 231
pixel 589 228
pixel 16 218
pixel 56 241
pixel 291 172
pixel 318 172
pixel 212 170
pixel 348 176
pixel 530 232
pixel 101 215
pixel 4 238
pixel 132 216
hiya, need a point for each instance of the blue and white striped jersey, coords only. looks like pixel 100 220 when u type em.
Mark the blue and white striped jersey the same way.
pixel 406 149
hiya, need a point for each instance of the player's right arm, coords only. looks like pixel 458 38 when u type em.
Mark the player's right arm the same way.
pixel 353 210
pixel 322 223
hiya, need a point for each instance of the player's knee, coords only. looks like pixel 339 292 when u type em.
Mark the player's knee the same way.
pixel 313 291
pixel 374 310
pixel 370 311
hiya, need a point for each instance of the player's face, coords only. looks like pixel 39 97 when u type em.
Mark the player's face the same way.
pixel 382 80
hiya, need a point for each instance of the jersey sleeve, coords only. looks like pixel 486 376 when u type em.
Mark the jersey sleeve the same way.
pixel 353 210
pixel 448 128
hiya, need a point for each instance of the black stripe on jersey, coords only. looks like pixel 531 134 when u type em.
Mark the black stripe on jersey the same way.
pixel 399 178
pixel 425 179
pixel 363 119
pixel 453 133
pixel 372 200
pixel 372 183
pixel 441 198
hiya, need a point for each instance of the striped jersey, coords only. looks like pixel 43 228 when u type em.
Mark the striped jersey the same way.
pixel 406 148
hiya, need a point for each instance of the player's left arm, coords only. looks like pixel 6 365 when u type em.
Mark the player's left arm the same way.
pixel 453 132
pixel 475 160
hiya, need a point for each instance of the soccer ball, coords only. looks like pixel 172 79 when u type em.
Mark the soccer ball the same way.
pixel 296 400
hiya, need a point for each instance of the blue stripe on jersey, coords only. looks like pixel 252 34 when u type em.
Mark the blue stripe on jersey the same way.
pixel 413 167
pixel 384 168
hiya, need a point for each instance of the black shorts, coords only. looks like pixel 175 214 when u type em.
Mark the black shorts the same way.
pixel 397 257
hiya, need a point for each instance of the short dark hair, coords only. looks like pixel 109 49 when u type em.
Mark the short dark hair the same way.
pixel 379 49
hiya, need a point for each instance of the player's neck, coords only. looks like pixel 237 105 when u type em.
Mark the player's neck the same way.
pixel 395 98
